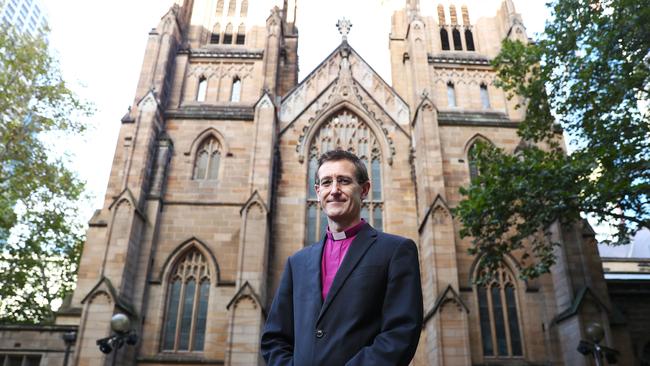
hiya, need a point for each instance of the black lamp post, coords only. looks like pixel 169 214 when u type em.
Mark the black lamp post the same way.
pixel 595 334
pixel 122 334
pixel 68 338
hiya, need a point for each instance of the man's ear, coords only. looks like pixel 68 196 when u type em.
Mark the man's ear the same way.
pixel 365 188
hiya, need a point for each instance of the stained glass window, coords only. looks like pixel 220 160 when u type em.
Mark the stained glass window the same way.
pixel 187 305
pixel 347 132
pixel 498 316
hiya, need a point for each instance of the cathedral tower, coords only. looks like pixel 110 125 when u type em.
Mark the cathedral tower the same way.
pixel 180 244
pixel 211 188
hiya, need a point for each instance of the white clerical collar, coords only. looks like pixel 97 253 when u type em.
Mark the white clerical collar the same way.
pixel 349 233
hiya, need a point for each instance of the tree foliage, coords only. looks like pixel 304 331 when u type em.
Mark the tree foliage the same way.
pixel 589 76
pixel 40 238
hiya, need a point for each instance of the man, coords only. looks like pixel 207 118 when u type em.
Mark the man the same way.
pixel 355 297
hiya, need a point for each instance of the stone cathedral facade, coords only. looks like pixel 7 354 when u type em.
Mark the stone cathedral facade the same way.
pixel 211 189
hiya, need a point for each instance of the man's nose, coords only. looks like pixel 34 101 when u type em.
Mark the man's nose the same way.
pixel 335 186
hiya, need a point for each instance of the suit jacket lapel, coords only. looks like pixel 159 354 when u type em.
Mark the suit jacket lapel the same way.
pixel 359 246
pixel 314 271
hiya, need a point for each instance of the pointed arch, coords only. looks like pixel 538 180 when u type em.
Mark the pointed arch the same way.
pixel 344 129
pixel 451 95
pixel 227 34
pixel 485 96
pixel 241 34
pixel 469 40
pixel 444 39
pixel 235 89
pixel 458 44
pixel 254 200
pixel 304 148
pixel 470 153
pixel 219 8
pixel 243 12
pixel 499 318
pixel 215 37
pixel 441 14
pixel 211 131
pixel 476 137
pixel 187 279
pixel 207 159
pixel 202 89
pixel 181 250
pixel 232 4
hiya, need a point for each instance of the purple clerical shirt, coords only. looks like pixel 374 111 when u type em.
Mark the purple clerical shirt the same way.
pixel 336 246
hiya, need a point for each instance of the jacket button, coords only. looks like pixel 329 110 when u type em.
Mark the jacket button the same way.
pixel 319 333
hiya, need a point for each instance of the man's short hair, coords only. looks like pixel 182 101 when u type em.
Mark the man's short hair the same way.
pixel 337 155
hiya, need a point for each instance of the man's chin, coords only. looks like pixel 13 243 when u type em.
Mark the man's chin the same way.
pixel 335 215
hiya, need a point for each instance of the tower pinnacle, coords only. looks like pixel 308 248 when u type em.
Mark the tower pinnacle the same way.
pixel 344 26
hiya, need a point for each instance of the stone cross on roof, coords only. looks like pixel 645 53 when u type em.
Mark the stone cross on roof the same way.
pixel 344 26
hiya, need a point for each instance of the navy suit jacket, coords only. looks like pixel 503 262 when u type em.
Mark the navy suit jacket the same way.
pixel 372 315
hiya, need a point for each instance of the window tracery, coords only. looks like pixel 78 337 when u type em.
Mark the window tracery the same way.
pixel 208 156
pixel 347 132
pixel 498 316
pixel 187 304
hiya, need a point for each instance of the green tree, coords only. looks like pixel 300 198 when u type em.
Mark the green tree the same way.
pixel 40 236
pixel 589 76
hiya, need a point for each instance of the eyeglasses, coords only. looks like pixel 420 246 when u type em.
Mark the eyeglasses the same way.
pixel 340 180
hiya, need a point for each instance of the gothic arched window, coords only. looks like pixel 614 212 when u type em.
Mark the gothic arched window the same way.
pixel 347 132
pixel 241 34
pixel 485 97
pixel 469 40
pixel 471 162
pixel 499 320
pixel 219 8
pixel 451 94
pixel 202 90
pixel 227 35
pixel 235 90
pixel 216 34
pixel 208 155
pixel 231 7
pixel 458 45
pixel 244 9
pixel 444 39
pixel 186 308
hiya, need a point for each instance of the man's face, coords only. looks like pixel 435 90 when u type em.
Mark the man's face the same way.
pixel 339 192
